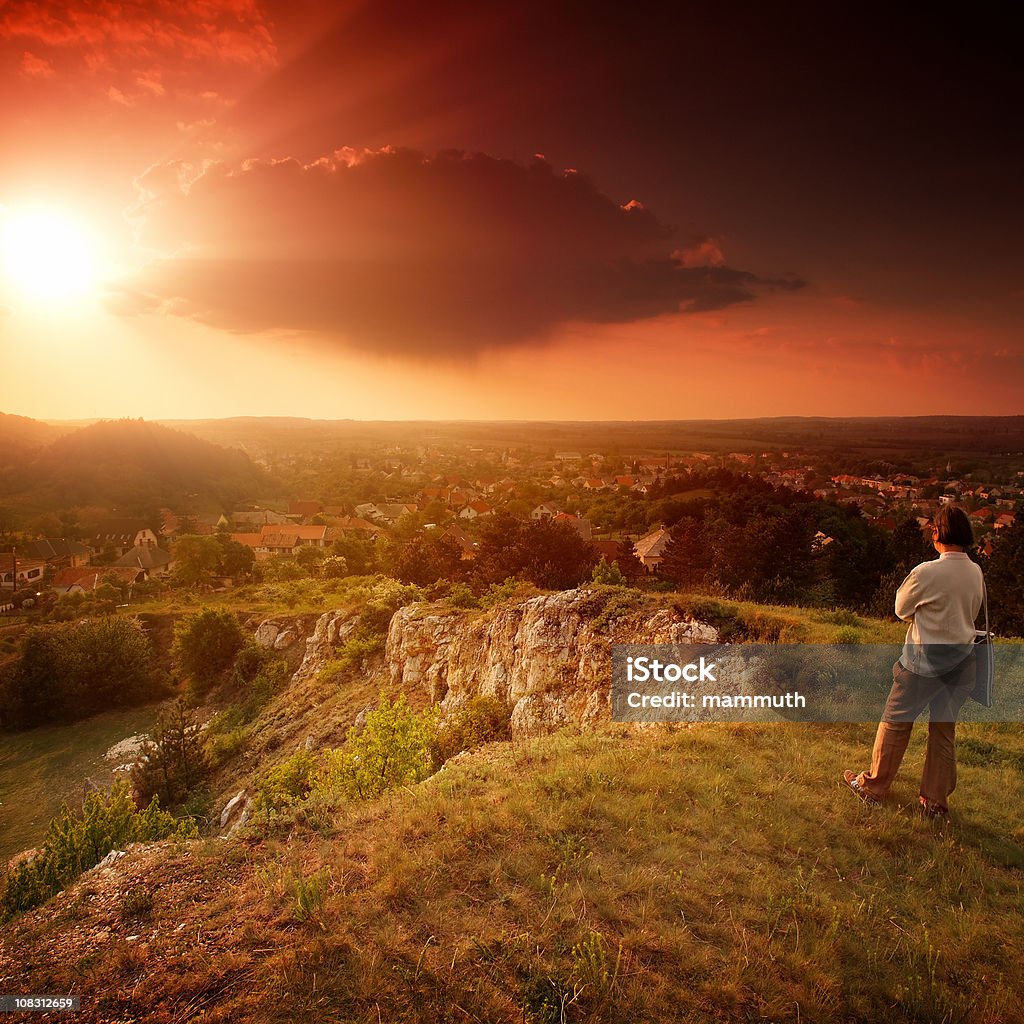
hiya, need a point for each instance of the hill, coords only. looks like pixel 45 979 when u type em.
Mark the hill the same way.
pixel 135 466
pixel 20 436
pixel 588 872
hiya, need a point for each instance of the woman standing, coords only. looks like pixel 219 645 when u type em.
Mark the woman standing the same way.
pixel 941 599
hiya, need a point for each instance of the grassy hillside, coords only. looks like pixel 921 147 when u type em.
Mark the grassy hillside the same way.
pixel 702 873
pixel 710 873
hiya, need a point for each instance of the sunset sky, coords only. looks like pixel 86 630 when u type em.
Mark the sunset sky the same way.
pixel 391 210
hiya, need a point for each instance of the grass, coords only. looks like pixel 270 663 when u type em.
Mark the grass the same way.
pixel 706 874
pixel 42 767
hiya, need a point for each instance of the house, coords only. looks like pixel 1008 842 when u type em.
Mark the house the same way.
pixel 57 554
pixel 594 484
pixel 250 540
pixel 17 572
pixel 476 509
pixel 260 517
pixel 579 524
pixel 341 526
pixel 457 536
pixel 607 550
pixel 650 549
pixel 1005 520
pixel 304 509
pixel 544 511
pixel 277 543
pixel 148 558
pixel 387 512
pixel 173 525
pixel 122 534
pixel 85 579
pixel 314 536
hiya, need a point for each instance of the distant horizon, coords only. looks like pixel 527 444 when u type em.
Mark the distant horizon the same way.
pixel 54 421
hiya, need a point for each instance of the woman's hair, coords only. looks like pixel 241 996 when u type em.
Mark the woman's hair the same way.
pixel 954 527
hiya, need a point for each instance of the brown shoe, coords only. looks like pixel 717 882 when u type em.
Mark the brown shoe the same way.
pixel 850 778
pixel 932 811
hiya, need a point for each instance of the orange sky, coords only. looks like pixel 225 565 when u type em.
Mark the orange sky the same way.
pixel 338 210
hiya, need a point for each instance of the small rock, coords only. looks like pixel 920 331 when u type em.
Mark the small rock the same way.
pixel 230 807
pixel 111 858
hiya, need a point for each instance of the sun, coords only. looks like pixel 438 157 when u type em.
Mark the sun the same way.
pixel 48 256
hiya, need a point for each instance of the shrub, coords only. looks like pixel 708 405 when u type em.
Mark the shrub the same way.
pixel 76 842
pixel 481 719
pixel 846 635
pixel 460 596
pixel 308 894
pixel 394 749
pixel 610 575
pixel 137 902
pixel 286 783
pixel 334 568
pixel 497 593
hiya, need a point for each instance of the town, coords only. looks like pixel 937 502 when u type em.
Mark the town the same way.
pixel 356 507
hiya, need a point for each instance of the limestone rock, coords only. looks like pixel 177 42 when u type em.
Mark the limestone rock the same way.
pixel 331 631
pixel 548 658
pixel 235 804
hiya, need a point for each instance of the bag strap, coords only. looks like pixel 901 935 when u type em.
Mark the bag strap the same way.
pixel 984 602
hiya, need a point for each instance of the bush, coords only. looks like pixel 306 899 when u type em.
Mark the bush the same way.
pixel 610 575
pixel 76 842
pixel 205 645
pixel 460 596
pixel 286 783
pixel 334 568
pixel 497 593
pixel 481 719
pixel 394 749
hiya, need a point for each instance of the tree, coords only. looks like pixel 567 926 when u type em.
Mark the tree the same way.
pixel 547 554
pixel 629 565
pixel 173 760
pixel 334 567
pixel 235 559
pixel 1004 577
pixel 610 575
pixel 686 560
pixel 205 645
pixel 909 546
pixel 426 559
pixel 360 555
pixel 197 558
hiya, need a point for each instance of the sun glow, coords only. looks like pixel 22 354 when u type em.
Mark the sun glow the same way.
pixel 48 256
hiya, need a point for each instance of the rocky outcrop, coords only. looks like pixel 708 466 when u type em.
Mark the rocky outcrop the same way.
pixel 548 658
pixel 288 635
pixel 330 632
pixel 307 642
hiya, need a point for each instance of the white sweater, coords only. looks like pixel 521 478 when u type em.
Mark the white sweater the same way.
pixel 941 599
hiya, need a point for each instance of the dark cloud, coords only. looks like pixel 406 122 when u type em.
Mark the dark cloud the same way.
pixel 394 251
